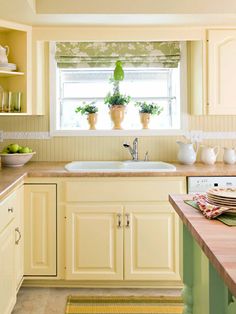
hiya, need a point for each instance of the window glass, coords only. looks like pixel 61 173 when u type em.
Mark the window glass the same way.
pixel 75 86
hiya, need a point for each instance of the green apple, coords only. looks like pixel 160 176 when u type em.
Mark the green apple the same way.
pixel 13 148
pixel 24 150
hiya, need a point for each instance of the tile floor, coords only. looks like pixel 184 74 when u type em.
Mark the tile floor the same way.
pixel 53 300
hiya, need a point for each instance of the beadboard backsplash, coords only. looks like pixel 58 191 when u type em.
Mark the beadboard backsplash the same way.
pixel 110 148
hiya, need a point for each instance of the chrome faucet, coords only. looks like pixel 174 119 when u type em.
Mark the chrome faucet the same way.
pixel 133 150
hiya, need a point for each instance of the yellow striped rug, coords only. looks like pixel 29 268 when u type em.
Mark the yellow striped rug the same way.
pixel 123 305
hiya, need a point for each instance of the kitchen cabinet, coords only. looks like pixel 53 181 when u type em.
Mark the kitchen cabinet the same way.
pixel 94 242
pixel 151 242
pixel 10 254
pixel 221 71
pixel 19 237
pixel 40 222
pixel 18 38
pixel 122 221
pixel 7 269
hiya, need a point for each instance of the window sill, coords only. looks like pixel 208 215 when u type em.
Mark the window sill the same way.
pixel 117 132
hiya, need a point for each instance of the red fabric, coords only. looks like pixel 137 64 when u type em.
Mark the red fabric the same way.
pixel 210 211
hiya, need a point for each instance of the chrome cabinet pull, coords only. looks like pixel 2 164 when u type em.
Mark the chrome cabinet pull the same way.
pixel 119 221
pixel 127 220
pixel 10 210
pixel 17 230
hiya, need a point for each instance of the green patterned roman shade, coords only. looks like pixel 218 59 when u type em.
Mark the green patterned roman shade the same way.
pixel 104 54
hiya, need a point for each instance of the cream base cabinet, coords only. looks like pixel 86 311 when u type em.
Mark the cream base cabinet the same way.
pixel 151 242
pixel 19 237
pixel 94 242
pixel 7 269
pixel 40 229
pixel 221 71
pixel 10 209
pixel 122 229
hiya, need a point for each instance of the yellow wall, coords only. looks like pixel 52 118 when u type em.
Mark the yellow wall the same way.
pixel 107 148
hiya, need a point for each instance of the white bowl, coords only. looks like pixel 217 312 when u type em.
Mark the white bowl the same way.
pixel 15 160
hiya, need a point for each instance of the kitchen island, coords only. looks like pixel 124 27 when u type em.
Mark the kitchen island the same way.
pixel 209 261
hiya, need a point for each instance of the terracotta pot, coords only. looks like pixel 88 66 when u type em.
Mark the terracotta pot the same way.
pixel 145 119
pixel 117 113
pixel 92 120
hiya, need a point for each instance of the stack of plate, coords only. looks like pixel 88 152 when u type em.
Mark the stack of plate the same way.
pixel 7 67
pixel 225 197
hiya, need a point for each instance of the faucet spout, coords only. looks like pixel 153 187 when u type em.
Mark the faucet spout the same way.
pixel 133 150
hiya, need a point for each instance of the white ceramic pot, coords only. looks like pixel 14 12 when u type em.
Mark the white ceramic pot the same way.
pixel 209 154
pixel 187 153
pixel 229 156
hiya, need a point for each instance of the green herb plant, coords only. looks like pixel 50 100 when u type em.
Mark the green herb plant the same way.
pixel 150 108
pixel 87 108
pixel 116 98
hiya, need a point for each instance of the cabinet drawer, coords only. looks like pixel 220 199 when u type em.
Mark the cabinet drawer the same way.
pixel 134 189
pixel 7 210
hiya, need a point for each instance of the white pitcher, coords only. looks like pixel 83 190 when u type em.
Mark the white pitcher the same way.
pixel 209 154
pixel 4 52
pixel 229 156
pixel 187 153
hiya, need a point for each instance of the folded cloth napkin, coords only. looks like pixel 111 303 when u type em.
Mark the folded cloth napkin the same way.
pixel 210 211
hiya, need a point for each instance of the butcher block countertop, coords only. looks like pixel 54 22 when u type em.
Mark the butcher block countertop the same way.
pixel 217 240
pixel 10 177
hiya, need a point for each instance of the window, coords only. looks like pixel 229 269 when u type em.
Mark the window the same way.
pixel 77 84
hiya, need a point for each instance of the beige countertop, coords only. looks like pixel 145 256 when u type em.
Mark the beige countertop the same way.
pixel 217 240
pixel 9 177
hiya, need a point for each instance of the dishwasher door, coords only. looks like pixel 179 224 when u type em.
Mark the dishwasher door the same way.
pixel 202 184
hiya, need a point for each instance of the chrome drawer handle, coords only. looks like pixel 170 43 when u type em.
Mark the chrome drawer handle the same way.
pixel 10 210
pixel 119 221
pixel 19 234
pixel 127 220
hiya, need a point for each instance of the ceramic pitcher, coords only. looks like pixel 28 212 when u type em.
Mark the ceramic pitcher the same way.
pixel 229 156
pixel 187 153
pixel 209 154
pixel 4 51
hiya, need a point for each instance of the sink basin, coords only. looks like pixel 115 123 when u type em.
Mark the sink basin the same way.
pixel 94 166
pixel 119 166
pixel 149 166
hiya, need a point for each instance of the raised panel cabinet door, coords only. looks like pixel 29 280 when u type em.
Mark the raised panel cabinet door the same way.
pixel 221 72
pixel 40 229
pixel 19 236
pixel 151 242
pixel 7 269
pixel 94 242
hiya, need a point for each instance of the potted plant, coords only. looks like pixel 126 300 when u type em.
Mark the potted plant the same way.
pixel 146 110
pixel 90 110
pixel 117 101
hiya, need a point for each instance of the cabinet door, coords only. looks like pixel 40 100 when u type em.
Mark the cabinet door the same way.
pixel 40 229
pixel 151 242
pixel 94 242
pixel 222 72
pixel 19 237
pixel 7 269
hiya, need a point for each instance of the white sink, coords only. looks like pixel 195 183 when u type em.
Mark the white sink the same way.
pixel 119 166
pixel 149 166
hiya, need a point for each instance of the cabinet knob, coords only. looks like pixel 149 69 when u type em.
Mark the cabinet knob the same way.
pixel 127 220
pixel 10 210
pixel 17 230
pixel 119 223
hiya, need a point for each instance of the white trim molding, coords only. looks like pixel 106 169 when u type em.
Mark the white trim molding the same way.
pixel 194 135
pixel 24 135
pixel 199 136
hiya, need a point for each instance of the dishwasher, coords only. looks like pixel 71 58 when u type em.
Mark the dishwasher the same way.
pixel 202 184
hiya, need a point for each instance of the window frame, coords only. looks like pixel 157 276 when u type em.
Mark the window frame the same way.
pixel 150 132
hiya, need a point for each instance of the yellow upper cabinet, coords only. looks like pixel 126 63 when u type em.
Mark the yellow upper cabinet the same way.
pixel 17 38
pixel 221 71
